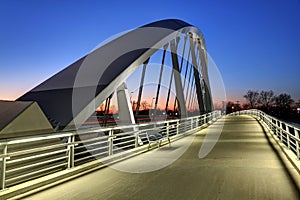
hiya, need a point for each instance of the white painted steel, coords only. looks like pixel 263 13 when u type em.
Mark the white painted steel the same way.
pixel 24 158
pixel 286 132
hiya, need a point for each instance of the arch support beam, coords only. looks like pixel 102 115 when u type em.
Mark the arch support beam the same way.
pixel 197 77
pixel 178 83
pixel 204 72
pixel 71 96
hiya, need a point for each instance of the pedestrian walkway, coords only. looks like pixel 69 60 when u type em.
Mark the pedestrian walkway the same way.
pixel 242 165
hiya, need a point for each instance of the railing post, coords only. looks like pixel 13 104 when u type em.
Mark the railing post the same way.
pixel 3 167
pixel 277 128
pixel 269 122
pixel 192 123
pixel 71 156
pixel 177 128
pixel 110 143
pixel 272 126
pixel 168 129
pixel 297 143
pixel 281 131
pixel 287 136
pixel 136 139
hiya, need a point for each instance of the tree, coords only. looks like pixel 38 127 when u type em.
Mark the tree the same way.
pixel 230 107
pixel 145 105
pixel 246 106
pixel 252 98
pixel 266 98
pixel 284 101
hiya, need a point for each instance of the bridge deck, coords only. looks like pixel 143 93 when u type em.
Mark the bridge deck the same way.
pixel 242 165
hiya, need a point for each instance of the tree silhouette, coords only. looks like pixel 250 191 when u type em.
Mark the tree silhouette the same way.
pixel 298 104
pixel 145 105
pixel 266 98
pixel 284 101
pixel 230 107
pixel 252 98
pixel 281 106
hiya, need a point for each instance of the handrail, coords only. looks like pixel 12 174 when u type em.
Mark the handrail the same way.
pixel 25 158
pixel 286 132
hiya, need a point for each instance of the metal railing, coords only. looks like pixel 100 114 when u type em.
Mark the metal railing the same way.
pixel 286 132
pixel 27 158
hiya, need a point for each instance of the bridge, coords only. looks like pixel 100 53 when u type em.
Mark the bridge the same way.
pixel 58 143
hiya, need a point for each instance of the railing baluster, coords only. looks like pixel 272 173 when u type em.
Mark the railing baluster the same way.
pixel 288 136
pixel 276 127
pixel 3 167
pixel 281 132
pixel 136 139
pixel 71 156
pixel 168 129
pixel 103 145
pixel 177 128
pixel 110 143
pixel 297 143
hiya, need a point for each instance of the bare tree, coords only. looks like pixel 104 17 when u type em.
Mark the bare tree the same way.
pixel 266 98
pixel 145 105
pixel 252 98
pixel 284 100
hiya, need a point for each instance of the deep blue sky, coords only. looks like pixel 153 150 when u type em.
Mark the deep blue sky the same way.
pixel 255 44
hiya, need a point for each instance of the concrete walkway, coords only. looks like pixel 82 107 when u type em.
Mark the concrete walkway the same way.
pixel 242 165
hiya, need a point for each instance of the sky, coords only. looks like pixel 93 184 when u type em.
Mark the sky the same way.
pixel 255 44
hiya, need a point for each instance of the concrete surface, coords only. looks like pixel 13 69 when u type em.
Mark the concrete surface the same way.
pixel 242 165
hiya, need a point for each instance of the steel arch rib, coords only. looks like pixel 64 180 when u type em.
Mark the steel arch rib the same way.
pixel 101 72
